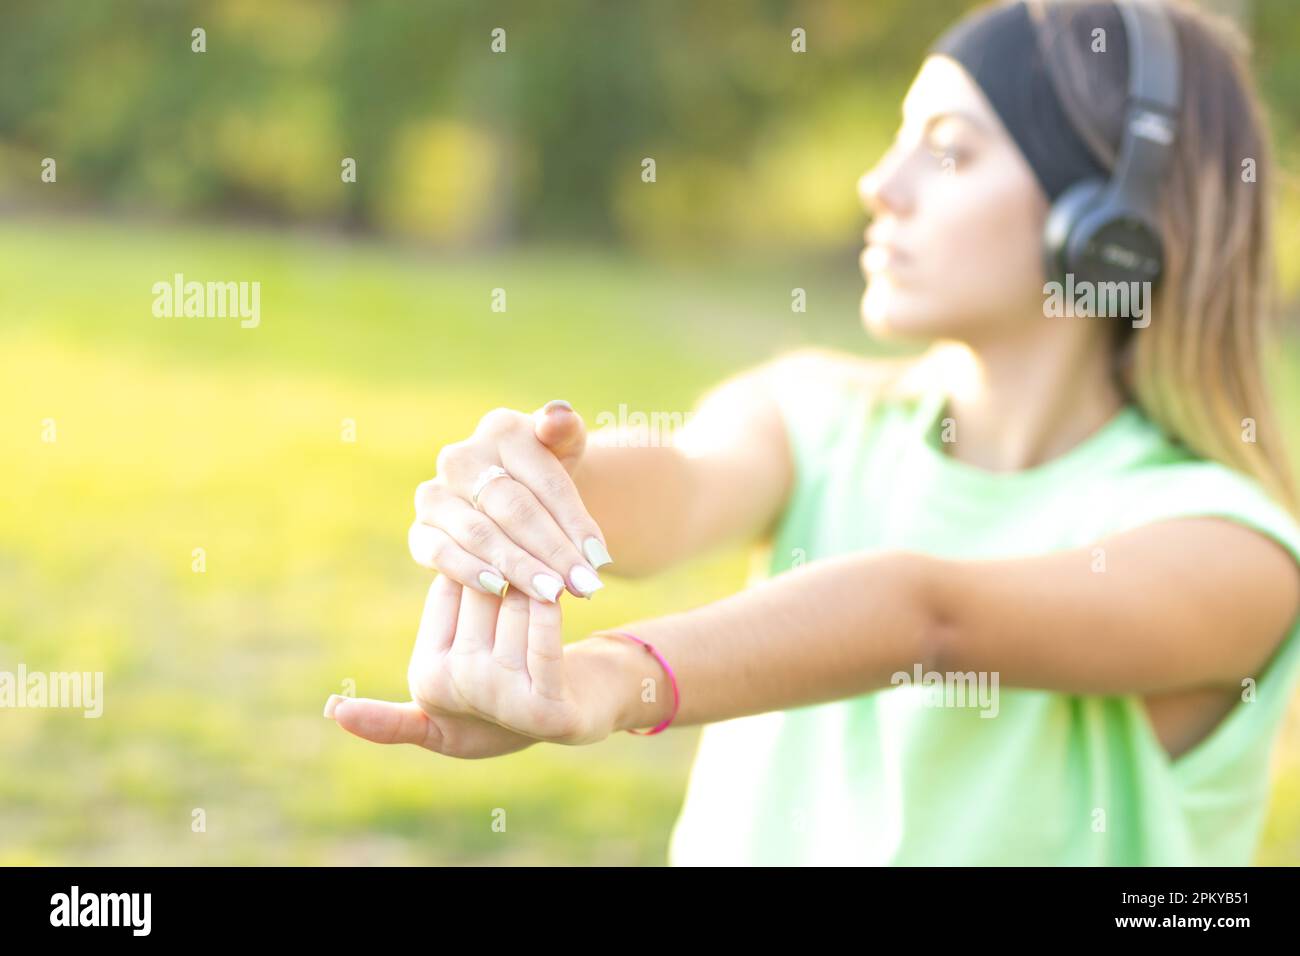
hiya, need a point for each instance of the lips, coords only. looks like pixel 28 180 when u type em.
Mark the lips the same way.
pixel 881 258
pixel 881 253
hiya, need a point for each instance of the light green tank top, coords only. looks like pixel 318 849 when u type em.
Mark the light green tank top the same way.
pixel 894 777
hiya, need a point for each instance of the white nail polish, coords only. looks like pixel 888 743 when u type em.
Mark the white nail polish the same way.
pixel 332 703
pixel 584 580
pixel 547 586
pixel 492 582
pixel 595 552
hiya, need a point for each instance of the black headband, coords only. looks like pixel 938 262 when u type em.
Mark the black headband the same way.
pixel 998 47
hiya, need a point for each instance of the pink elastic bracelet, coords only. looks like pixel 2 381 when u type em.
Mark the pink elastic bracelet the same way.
pixel 677 700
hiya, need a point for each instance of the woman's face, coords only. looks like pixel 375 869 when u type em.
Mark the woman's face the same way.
pixel 954 249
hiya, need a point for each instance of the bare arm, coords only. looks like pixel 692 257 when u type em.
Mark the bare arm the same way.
pixel 1183 603
pixel 725 478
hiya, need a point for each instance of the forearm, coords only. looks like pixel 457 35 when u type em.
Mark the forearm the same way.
pixel 1153 620
pixel 723 477
pixel 825 631
pixel 640 497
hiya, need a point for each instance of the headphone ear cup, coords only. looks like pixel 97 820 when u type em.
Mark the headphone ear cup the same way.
pixel 1069 211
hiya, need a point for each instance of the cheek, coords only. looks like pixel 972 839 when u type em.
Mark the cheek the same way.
pixel 977 241
pixel 988 245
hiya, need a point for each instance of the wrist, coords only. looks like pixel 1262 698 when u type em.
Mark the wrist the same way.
pixel 626 686
pixel 597 675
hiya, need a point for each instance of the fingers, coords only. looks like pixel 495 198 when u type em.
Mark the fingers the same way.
pixel 546 650
pixel 384 722
pixel 473 680
pixel 430 681
pixel 535 504
pixel 434 548
pixel 477 542
pixel 548 480
pixel 562 431
pixel 510 644
pixel 527 522
pixel 438 620
pixel 477 657
pixel 520 634
pixel 476 624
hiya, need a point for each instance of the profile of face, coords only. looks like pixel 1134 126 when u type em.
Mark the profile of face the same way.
pixel 954 248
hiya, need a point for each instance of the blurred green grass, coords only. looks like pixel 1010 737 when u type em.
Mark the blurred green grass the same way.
pixel 176 434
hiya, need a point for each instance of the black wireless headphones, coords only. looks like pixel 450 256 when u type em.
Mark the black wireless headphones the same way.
pixel 1106 231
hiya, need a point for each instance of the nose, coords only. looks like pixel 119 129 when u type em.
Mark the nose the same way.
pixel 882 188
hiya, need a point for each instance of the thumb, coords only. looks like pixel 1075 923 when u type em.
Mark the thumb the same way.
pixel 562 430
pixel 382 721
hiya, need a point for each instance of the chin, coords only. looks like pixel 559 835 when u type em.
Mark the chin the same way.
pixel 886 314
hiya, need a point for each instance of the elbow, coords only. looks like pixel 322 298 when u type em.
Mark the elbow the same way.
pixel 930 621
pixel 939 646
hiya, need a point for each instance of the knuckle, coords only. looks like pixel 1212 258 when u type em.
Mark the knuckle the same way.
pixel 413 538
pixel 479 533
pixel 522 567
pixel 499 421
pixel 509 662
pixel 445 455
pixel 521 509
pixel 541 655
pixel 559 554
pixel 426 493
pixel 437 549
pixel 556 487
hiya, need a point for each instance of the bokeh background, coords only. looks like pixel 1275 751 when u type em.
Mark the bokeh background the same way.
pixel 289 452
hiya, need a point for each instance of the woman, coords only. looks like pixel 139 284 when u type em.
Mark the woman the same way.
pixel 1081 522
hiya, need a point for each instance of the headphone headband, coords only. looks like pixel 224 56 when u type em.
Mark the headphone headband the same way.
pixel 1153 78
pixel 1107 230
pixel 1151 118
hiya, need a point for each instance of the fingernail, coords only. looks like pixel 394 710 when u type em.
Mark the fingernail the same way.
pixel 332 704
pixel 585 581
pixel 492 582
pixel 547 586
pixel 595 552
pixel 557 403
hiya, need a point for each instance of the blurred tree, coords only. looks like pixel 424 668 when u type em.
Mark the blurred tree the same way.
pixel 457 144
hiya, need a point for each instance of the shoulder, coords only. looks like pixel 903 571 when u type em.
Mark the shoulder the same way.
pixel 1260 540
pixel 815 372
pixel 820 398
pixel 1176 484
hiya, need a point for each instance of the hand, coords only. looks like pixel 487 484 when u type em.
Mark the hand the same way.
pixel 531 528
pixel 488 676
pixel 384 722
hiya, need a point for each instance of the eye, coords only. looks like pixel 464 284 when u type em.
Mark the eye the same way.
pixel 943 142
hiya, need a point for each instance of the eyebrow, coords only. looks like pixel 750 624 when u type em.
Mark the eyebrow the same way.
pixel 978 124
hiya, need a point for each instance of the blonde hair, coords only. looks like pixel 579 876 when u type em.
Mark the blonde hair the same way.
pixel 1198 370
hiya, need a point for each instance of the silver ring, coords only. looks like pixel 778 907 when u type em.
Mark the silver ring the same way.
pixel 486 475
